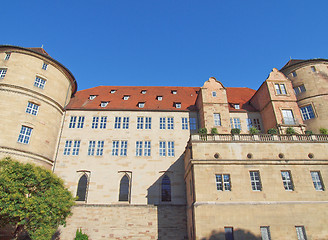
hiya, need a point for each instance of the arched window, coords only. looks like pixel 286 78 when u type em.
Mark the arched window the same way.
pixel 124 188
pixel 82 188
pixel 166 189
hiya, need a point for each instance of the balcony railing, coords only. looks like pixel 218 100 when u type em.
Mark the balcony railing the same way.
pixel 259 138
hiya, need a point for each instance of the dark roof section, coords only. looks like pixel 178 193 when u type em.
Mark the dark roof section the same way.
pixel 43 53
pixel 240 96
pixel 295 62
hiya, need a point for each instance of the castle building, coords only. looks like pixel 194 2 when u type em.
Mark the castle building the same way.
pixel 140 169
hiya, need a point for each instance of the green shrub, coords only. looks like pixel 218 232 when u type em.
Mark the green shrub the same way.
pixel 214 131
pixel 290 131
pixel 235 131
pixel 308 132
pixel 202 131
pixel 80 236
pixel 323 131
pixel 272 131
pixel 253 130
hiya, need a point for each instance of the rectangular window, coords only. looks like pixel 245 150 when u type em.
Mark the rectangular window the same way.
pixel 72 122
pixel 288 117
pixel 170 149
pixel 7 56
pixel 162 123
pixel 307 112
pixel 170 123
pixel 223 182
pixel 76 148
pixel 67 149
pixel 100 148
pixel 317 181
pixel 3 72
pixel 140 122
pixel 217 119
pixel 126 121
pixel 147 151
pixel 192 123
pixel 117 122
pixel 44 66
pixel 184 123
pixel 124 148
pixel 280 88
pixel 294 74
pixel 115 148
pixel 265 233
pixel 95 121
pixel 300 231
pixel 255 180
pixel 39 82
pixel 147 122
pixel 103 122
pixel 32 108
pixel 313 69
pixel 138 148
pixel 299 89
pixel 256 123
pixel 178 105
pixel 214 94
pixel 141 104
pixel 235 123
pixel 80 122
pixel 287 180
pixel 236 106
pixel 162 148
pixel 228 233
pixel 91 148
pixel 24 135
pixel 249 123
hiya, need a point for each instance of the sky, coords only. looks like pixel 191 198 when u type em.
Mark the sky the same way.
pixel 169 42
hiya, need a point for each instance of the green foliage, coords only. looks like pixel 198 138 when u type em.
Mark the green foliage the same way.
pixel 290 131
pixel 202 131
pixel 323 131
pixel 33 199
pixel 272 131
pixel 308 132
pixel 235 131
pixel 253 130
pixel 80 236
pixel 214 131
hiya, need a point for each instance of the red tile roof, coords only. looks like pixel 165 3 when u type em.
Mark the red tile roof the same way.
pixel 39 50
pixel 185 95
pixel 240 96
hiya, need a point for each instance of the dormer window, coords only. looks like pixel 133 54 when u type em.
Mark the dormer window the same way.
pixel 91 97
pixel 214 94
pixel 236 106
pixel 143 91
pixel 113 91
pixel 44 66
pixel 141 104
pixel 159 98
pixel 177 105
pixel 174 91
pixel 104 104
pixel 126 97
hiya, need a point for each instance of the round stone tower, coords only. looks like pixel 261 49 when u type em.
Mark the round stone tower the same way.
pixel 310 83
pixel 34 89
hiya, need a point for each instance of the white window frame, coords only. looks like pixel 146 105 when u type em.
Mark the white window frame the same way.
pixel 184 121
pixel 91 148
pixel 140 122
pixel 162 123
pixel 235 123
pixel 39 82
pixel 100 148
pixel 265 232
pixel 3 72
pixel 300 232
pixel 217 119
pixel 147 122
pixel 299 89
pixel 72 122
pixel 115 147
pixel 80 122
pixel 147 148
pixel 103 104
pixel 126 97
pixel 162 148
pixel 280 88
pixel 139 145
pixel 170 149
pixel 91 97
pixel 76 148
pixel 7 56
pixel 307 112
pixel 236 106
pixel 126 121
pixel 170 123
pixel 255 180
pixel 117 124
pixel 141 104
pixel 32 108
pixel 124 148
pixel 223 182
pixel 317 180
pixel 287 180
pixel 113 91
pixel 45 66
pixel 288 116
pixel 178 105
pixel 103 122
pixel 174 91
pixel 143 91
pixel 159 98
pixel 67 148
pixel 25 135
pixel 95 121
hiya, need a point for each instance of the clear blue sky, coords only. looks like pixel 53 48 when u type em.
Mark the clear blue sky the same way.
pixel 169 42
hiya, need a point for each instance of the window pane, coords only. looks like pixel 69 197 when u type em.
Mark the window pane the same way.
pixel 166 189
pixel 82 188
pixel 124 189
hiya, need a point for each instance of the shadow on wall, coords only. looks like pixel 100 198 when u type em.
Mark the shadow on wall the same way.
pixel 171 213
pixel 239 234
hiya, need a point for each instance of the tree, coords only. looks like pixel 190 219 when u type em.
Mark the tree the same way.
pixel 32 199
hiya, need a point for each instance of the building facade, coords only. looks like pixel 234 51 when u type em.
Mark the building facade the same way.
pixel 139 168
